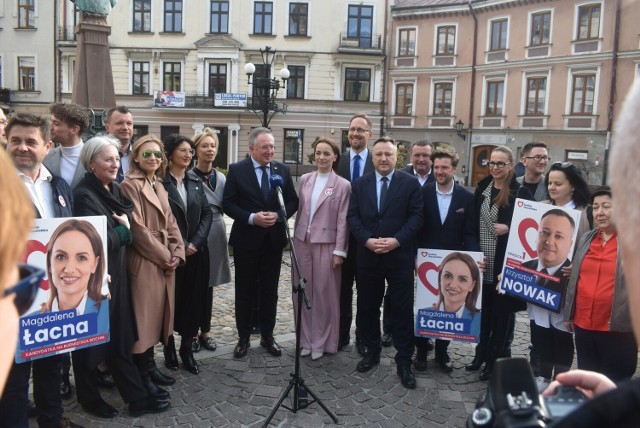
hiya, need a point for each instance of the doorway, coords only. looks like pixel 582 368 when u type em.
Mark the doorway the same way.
pixel 481 155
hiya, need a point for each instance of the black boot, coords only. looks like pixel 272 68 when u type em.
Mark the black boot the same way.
pixel 478 359
pixel 147 405
pixel 420 363
pixel 156 375
pixel 170 357
pixel 152 390
pixel 186 355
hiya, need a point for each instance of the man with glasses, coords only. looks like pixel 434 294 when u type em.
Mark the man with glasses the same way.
pixel 29 144
pixel 353 164
pixel 535 157
pixel 3 124
pixel 119 123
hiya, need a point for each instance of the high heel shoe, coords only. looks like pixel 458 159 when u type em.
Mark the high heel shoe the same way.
pixel 186 355
pixel 170 357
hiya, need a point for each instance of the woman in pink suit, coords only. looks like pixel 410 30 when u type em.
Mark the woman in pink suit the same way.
pixel 321 238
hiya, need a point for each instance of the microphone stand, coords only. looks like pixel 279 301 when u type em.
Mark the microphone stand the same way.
pixel 300 390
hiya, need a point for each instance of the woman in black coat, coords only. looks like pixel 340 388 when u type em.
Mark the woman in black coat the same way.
pixel 98 194
pixel 191 209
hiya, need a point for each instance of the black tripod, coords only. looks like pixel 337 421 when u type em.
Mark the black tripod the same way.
pixel 300 390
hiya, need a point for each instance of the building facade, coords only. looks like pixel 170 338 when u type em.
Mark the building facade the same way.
pixel 483 73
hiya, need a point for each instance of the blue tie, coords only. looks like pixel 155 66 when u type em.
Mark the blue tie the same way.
pixel 383 193
pixel 356 168
pixel 264 183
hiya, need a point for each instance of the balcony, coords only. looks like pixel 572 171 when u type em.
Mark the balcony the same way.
pixel 371 44
pixel 198 101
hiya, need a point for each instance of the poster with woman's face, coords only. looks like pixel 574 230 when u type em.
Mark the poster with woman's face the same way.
pixel 448 294
pixel 71 309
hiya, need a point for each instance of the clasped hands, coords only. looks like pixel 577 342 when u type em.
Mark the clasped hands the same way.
pixel 382 245
pixel 265 218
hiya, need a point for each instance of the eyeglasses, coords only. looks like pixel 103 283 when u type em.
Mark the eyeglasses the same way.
pixel 26 288
pixel 498 165
pixel 189 152
pixel 147 154
pixel 358 130
pixel 539 158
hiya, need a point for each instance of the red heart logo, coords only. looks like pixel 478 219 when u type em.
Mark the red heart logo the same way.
pixel 525 225
pixel 422 275
pixel 35 247
pixel 520 203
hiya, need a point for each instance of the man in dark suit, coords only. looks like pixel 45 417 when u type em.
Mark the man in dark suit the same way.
pixel 385 214
pixel 421 165
pixel 257 236
pixel 449 224
pixel 353 164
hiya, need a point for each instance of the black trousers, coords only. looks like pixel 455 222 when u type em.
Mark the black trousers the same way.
pixel 555 349
pixel 348 276
pixel 611 353
pixel 205 314
pixel 400 296
pixel 496 324
pixel 259 268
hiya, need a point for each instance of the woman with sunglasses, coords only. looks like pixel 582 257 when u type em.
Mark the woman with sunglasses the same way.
pixel 191 210
pixel 16 211
pixel 156 252
pixel 495 200
pixel 219 271
pixel 99 194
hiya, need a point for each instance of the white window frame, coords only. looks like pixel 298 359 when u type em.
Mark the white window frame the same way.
pixel 150 62
pixel 397 47
pixel 576 16
pixel 306 79
pixel 230 2
pixel 207 62
pixel 490 78
pixel 151 20
pixel 308 17
pixel 161 72
pixel 490 23
pixel 530 23
pixel 404 81
pixel 582 69
pixel 182 30
pixel 532 74
pixel 273 18
pixel 435 37
pixel 36 85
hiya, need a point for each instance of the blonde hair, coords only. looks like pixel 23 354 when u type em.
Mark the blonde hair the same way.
pixel 136 148
pixel 16 218
pixel 206 132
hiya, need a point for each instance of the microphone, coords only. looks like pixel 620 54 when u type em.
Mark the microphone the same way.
pixel 277 182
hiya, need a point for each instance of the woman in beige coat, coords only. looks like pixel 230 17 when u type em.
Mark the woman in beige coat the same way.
pixel 156 251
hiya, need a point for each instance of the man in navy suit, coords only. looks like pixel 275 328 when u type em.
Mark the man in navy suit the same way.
pixel 257 236
pixel 421 165
pixel 353 164
pixel 449 224
pixel 385 215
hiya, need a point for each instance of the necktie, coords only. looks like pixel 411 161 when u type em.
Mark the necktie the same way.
pixel 264 183
pixel 542 280
pixel 356 168
pixel 383 192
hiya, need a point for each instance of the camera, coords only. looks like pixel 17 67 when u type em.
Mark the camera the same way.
pixel 512 399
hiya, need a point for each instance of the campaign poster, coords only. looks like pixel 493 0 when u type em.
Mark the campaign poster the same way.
pixel 71 309
pixel 449 295
pixel 541 242
pixel 168 99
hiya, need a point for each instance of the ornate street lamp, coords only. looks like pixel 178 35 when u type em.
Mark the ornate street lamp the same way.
pixel 265 89
pixel 459 128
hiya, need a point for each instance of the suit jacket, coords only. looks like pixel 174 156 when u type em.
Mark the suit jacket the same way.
pixel 400 218
pixel 52 162
pixel 243 197
pixel 541 190
pixel 458 232
pixel 409 170
pixel 62 198
pixel 330 219
pixel 344 166
pixel 540 314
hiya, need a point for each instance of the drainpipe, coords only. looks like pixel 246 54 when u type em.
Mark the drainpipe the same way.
pixel 473 93
pixel 385 68
pixel 612 91
pixel 57 54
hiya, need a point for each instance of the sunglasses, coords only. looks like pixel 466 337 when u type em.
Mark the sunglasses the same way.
pixel 26 288
pixel 147 154
pixel 563 165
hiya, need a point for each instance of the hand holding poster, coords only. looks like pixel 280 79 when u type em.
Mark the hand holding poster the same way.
pixel 449 294
pixel 71 309
pixel 541 241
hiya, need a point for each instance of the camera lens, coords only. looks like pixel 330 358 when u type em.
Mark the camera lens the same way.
pixel 481 416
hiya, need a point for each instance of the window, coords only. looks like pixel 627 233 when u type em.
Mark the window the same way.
pixel 356 84
pixel 173 16
pixel 540 28
pixel 495 92
pixel 407 42
pixel 404 99
pixel 442 96
pixel 295 84
pixel 498 35
pixel 26 73
pixel 26 13
pixel 219 17
pixel 583 93
pixel 588 21
pixel 293 146
pixel 165 131
pixel 141 16
pixel 140 78
pixel 171 76
pixel 446 40
pixel 536 95
pixel 360 24
pixel 298 19
pixel 217 79
pixel 262 17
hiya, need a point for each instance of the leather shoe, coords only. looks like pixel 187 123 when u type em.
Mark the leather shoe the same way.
pixel 420 365
pixel 241 348
pixel 170 357
pixel 269 343
pixel 443 360
pixel 407 378
pixel 386 340
pixel 195 345
pixel 100 408
pixel 147 405
pixel 105 380
pixel 208 343
pixel 160 378
pixel 485 374
pixel 154 391
pixel 367 362
pixel 65 388
pixel 189 363
pixel 475 365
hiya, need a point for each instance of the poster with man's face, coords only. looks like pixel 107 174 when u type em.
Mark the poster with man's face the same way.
pixel 541 242
pixel 71 308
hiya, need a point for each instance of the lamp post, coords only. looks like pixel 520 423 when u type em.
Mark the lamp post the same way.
pixel 459 128
pixel 265 88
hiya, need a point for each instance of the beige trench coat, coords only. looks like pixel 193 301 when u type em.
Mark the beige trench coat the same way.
pixel 156 238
